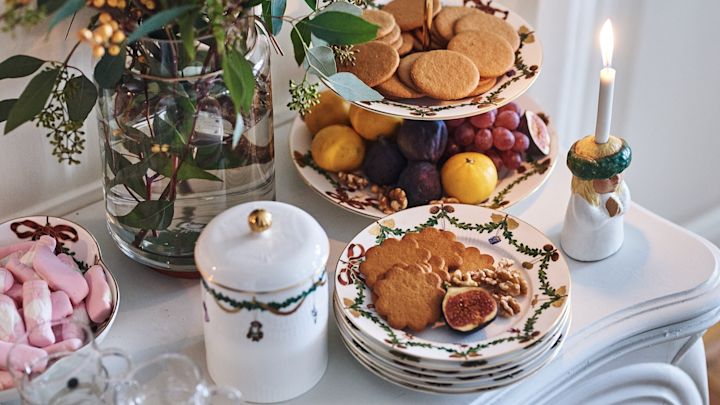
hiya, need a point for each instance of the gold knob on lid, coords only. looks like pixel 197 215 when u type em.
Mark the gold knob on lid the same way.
pixel 259 220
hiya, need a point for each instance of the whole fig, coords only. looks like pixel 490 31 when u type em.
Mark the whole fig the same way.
pixel 421 182
pixel 383 162
pixel 422 140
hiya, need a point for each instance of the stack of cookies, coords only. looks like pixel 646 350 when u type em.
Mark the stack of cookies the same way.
pixel 407 276
pixel 469 50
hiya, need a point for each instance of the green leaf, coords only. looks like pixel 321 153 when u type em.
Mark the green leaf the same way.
pixel 167 133
pixel 342 7
pixel 50 5
pixel 130 172
pixel 187 33
pixel 353 89
pixel 320 61
pixel 312 4
pixel 19 66
pixel 109 69
pixel 278 10
pixel 134 183
pixel 239 79
pixel 80 97
pixel 190 170
pixel 5 107
pixel 341 28
pixel 157 21
pixel 153 215
pixel 32 100
pixel 300 37
pixel 66 10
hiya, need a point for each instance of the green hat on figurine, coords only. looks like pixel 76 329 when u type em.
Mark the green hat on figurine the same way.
pixel 589 160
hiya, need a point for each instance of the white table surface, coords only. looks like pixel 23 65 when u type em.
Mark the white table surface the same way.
pixel 661 286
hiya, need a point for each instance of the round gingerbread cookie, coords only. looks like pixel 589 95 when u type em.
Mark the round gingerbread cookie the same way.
pixel 485 84
pixel 491 54
pixel 393 88
pixel 397 44
pixel 404 67
pixel 384 20
pixel 407 44
pixel 392 36
pixel 445 21
pixel 375 62
pixel 488 23
pixel 409 14
pixel 445 74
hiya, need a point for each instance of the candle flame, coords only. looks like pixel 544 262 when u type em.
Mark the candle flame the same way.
pixel 607 43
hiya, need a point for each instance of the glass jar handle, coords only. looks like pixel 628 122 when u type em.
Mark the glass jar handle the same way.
pixel 221 392
pixel 124 357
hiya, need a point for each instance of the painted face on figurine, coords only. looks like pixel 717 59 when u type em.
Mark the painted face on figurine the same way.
pixel 604 186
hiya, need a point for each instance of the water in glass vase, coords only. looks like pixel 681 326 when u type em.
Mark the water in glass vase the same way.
pixel 159 201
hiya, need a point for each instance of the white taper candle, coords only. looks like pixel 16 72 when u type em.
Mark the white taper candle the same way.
pixel 607 85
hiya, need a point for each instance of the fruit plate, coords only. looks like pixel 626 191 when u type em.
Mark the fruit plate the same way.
pixel 528 61
pixel 74 240
pixel 492 232
pixel 511 188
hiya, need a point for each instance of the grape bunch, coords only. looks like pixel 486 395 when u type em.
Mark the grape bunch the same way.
pixel 494 133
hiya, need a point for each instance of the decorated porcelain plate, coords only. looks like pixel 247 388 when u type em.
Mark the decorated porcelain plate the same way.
pixel 511 189
pixel 515 82
pixel 450 372
pixel 492 232
pixel 75 241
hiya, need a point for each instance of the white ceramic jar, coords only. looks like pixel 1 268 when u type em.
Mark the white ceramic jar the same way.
pixel 265 300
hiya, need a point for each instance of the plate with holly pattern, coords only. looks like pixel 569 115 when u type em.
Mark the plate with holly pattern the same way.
pixel 512 187
pixel 492 232
pixel 509 86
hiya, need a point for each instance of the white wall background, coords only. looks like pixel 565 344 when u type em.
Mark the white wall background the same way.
pixel 665 104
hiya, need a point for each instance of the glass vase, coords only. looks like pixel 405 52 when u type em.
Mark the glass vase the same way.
pixel 167 146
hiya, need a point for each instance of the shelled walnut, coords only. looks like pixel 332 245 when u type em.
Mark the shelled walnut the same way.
pixel 503 281
pixel 353 181
pixel 507 305
pixel 392 201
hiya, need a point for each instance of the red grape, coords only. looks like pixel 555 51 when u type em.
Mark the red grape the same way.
pixel 508 119
pixel 452 148
pixel 483 139
pixel 503 139
pixel 512 106
pixel 473 148
pixel 485 120
pixel 464 134
pixel 522 142
pixel 454 123
pixel 511 160
pixel 493 155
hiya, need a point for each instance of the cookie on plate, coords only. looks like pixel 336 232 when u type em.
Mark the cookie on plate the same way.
pixel 407 44
pixel 445 75
pixel 393 36
pixel 394 88
pixel 375 62
pixel 404 67
pixel 381 258
pixel 409 14
pixel 485 84
pixel 444 22
pixel 489 52
pixel 473 260
pixel 409 297
pixel 441 243
pixel 384 20
pixel 487 23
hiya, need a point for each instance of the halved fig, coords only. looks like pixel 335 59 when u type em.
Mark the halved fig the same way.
pixel 534 127
pixel 468 308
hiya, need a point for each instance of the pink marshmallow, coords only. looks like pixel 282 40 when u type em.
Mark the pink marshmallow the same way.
pixel 29 256
pixel 6 251
pixel 6 280
pixel 61 306
pixel 6 380
pixel 73 330
pixel 12 327
pixel 21 272
pixel 58 275
pixel 69 345
pixel 37 309
pixel 15 292
pixel 22 355
pixel 99 300
pixel 67 259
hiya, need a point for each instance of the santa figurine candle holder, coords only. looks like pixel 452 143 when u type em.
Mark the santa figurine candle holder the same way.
pixel 593 228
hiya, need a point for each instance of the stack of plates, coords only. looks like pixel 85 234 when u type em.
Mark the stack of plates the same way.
pixel 441 360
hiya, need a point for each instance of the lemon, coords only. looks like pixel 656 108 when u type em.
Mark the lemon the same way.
pixel 470 177
pixel 338 148
pixel 372 125
pixel 331 110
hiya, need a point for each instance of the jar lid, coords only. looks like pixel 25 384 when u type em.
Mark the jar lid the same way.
pixel 262 246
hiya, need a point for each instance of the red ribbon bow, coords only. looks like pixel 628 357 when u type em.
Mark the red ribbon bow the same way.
pixel 59 232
